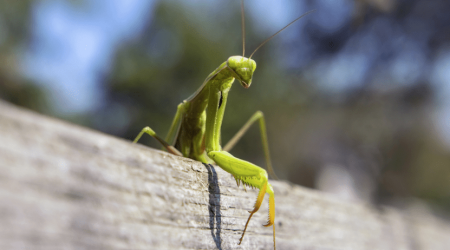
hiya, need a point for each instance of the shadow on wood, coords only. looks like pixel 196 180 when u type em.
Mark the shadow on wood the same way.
pixel 214 206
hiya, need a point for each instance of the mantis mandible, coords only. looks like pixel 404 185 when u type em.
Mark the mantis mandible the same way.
pixel 196 127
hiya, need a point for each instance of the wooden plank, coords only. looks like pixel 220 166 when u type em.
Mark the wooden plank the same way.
pixel 67 187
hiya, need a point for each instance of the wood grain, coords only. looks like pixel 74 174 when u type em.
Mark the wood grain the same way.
pixel 67 187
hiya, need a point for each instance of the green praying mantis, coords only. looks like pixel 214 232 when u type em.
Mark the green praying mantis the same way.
pixel 195 130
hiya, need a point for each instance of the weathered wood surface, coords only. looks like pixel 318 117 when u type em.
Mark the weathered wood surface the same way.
pixel 67 187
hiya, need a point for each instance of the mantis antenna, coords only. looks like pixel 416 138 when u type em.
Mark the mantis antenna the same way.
pixel 243 27
pixel 268 39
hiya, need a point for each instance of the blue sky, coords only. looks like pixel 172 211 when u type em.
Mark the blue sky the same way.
pixel 67 62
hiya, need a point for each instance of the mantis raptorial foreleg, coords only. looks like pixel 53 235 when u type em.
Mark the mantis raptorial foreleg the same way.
pixel 250 175
pixel 258 116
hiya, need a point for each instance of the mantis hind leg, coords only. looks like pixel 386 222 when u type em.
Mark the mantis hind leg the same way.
pixel 258 116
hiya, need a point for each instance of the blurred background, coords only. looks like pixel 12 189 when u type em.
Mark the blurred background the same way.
pixel 356 95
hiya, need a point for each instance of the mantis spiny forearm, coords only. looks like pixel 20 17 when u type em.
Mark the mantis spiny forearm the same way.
pixel 198 121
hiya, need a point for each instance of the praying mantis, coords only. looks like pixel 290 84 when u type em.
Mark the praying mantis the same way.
pixel 195 129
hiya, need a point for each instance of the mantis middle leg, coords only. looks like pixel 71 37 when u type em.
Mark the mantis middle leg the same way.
pixel 258 116
pixel 172 130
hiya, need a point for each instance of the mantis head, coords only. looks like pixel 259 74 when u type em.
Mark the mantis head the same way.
pixel 243 69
